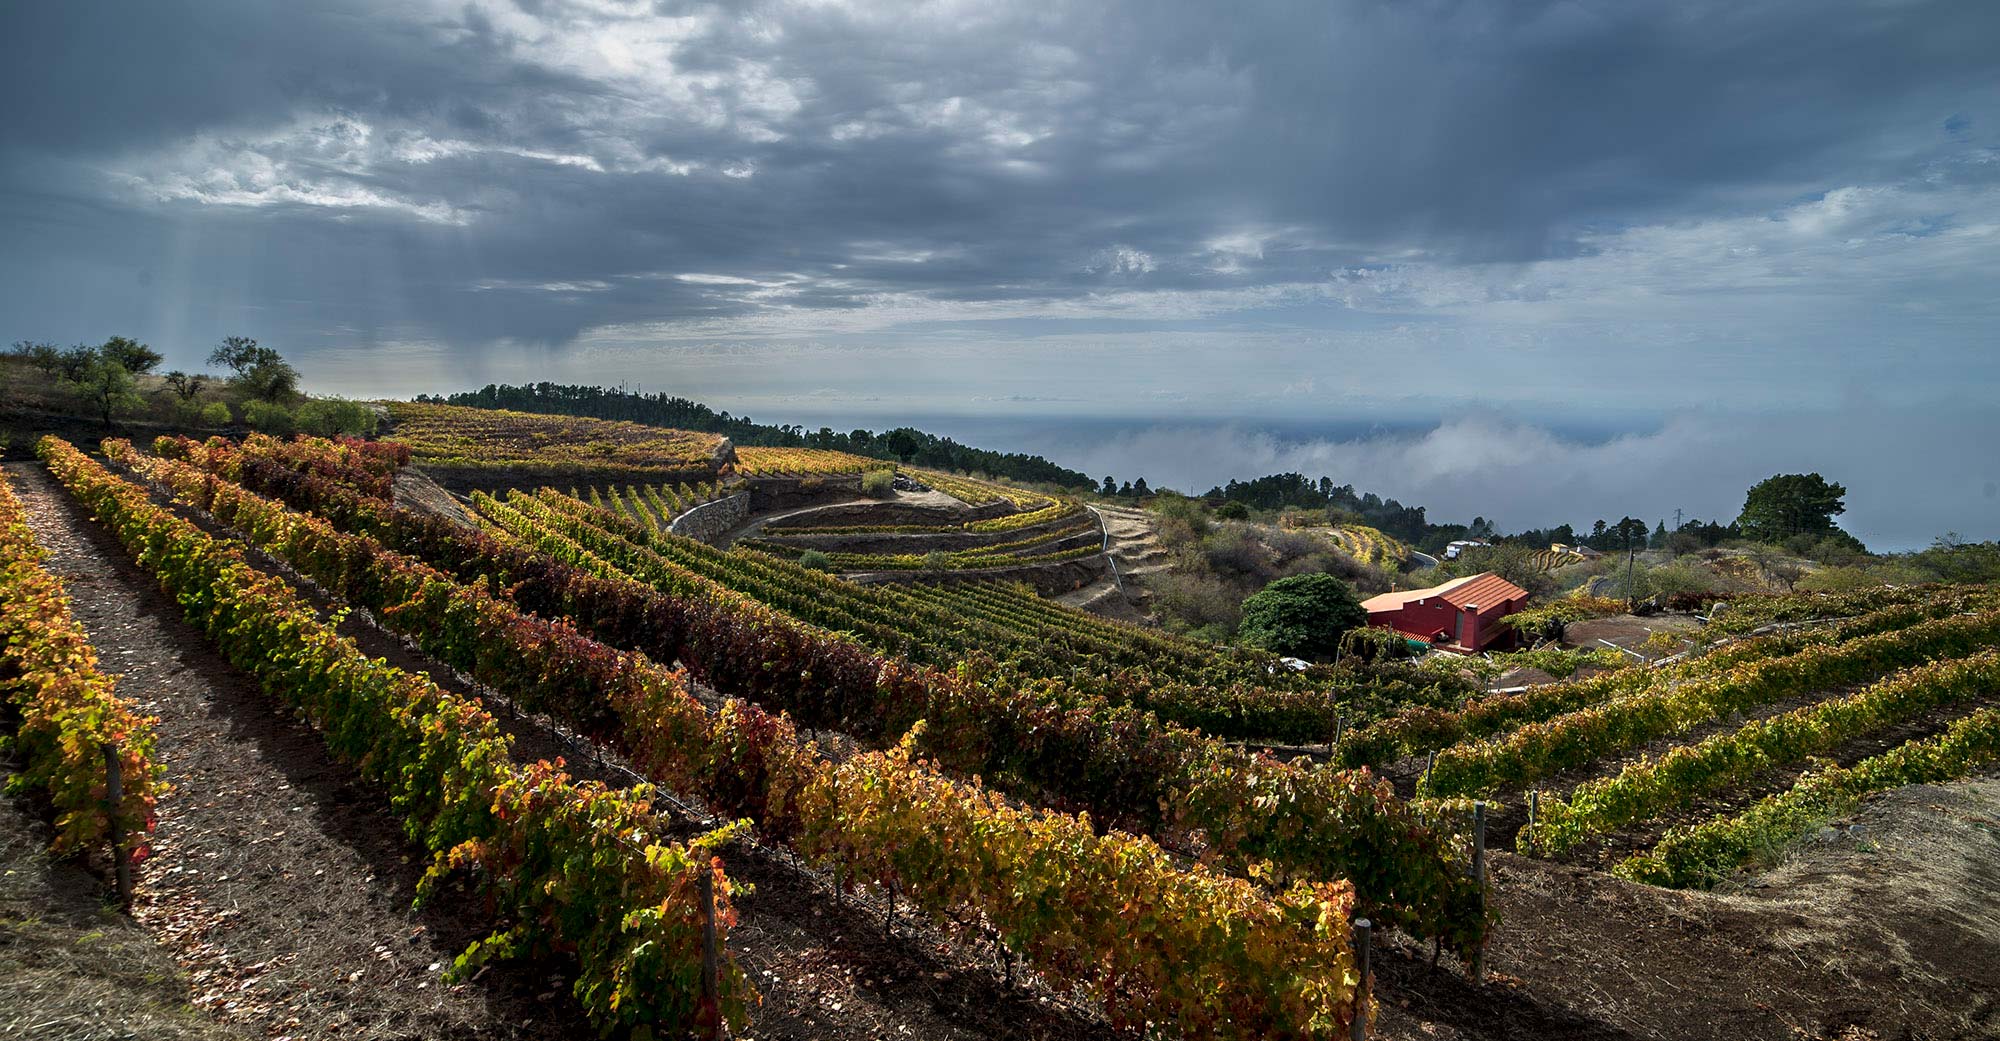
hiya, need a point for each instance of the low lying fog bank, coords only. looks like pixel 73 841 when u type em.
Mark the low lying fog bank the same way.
pixel 1910 475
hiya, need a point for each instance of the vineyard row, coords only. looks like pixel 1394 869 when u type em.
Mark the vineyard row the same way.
pixel 1232 807
pixel 1048 883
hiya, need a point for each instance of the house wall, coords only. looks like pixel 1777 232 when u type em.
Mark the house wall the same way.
pixel 1484 629
pixel 1423 618
pixel 1419 619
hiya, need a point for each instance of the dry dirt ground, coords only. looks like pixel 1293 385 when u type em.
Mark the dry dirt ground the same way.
pixel 72 966
pixel 1884 928
pixel 1627 631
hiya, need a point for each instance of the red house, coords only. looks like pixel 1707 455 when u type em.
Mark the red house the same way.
pixel 1461 615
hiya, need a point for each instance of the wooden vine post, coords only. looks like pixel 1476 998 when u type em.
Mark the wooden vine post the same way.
pixel 1479 876
pixel 1362 986
pixel 711 985
pixel 114 798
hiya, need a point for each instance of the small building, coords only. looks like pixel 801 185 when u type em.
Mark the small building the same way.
pixel 1453 549
pixel 1461 615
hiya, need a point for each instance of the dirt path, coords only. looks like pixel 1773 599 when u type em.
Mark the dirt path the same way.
pixel 1132 540
pixel 72 969
pixel 278 880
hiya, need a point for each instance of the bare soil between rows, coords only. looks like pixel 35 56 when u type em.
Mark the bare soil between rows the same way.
pixel 278 881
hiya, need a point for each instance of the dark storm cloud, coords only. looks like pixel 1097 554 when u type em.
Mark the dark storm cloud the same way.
pixel 368 167
pixel 1753 234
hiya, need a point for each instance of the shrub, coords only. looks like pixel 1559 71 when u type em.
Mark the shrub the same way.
pixel 268 417
pixel 879 484
pixel 1838 580
pixel 816 559
pixel 1235 551
pixel 1232 511
pixel 1370 644
pixel 1171 506
pixel 328 417
pixel 215 414
pixel 1199 604
pixel 1671 579
pixel 1304 616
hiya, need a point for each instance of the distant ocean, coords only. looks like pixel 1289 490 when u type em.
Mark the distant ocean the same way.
pixel 1529 474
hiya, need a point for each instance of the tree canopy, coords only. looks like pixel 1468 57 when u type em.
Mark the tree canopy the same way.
pixel 1303 616
pixel 1785 505
pixel 136 357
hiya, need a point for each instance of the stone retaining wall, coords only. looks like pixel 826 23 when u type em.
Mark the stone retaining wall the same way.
pixel 772 494
pixel 711 520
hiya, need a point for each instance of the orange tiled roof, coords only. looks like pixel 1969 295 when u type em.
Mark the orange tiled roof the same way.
pixel 1485 589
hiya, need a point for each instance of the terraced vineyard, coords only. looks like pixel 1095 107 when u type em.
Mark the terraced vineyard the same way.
pixel 553 553
pixel 654 505
pixel 1016 774
pixel 1369 545
pixel 1686 774
pixel 974 492
pixel 469 442
pixel 1551 559
pixel 1008 529
pixel 752 461
pixel 1231 692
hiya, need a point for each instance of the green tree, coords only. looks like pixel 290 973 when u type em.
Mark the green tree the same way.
pixel 1510 560
pixel 1110 487
pixel 902 442
pixel 240 354
pixel 186 387
pixel 271 379
pixel 76 361
pixel 46 357
pixel 1303 616
pixel 137 358
pixel 109 389
pixel 1791 504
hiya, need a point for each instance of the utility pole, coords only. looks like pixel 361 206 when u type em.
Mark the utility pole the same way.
pixel 1630 598
pixel 1677 518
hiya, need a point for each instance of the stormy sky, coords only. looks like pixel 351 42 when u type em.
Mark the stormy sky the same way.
pixel 1532 260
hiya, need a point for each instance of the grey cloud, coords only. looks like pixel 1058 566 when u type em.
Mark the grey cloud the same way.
pixel 1028 141
pixel 1537 205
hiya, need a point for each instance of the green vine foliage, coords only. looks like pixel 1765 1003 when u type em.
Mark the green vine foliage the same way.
pixel 1415 731
pixel 962 856
pixel 1584 736
pixel 69 712
pixel 1704 854
pixel 611 900
pixel 1653 785
pixel 1236 810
